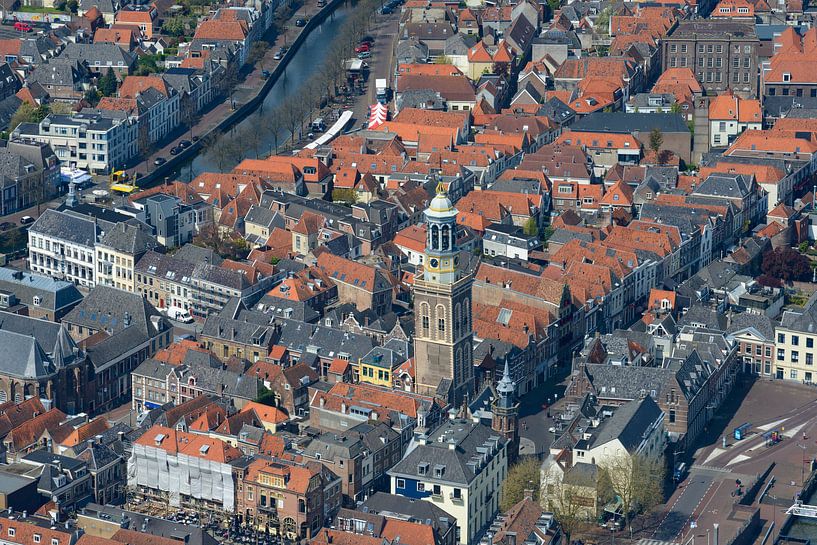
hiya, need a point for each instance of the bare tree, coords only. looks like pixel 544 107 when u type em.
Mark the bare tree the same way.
pixel 636 480
pixel 293 115
pixel 571 499
pixel 274 124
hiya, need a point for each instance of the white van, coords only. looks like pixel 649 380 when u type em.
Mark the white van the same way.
pixel 179 314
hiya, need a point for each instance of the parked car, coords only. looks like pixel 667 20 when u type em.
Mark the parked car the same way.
pixel 300 22
pixel 184 144
pixel 22 27
pixel 195 139
pixel 6 225
pixel 367 40
pixel 159 161
pixel 25 220
pixel 278 56
pixel 386 10
pixel 364 55
pixel 362 47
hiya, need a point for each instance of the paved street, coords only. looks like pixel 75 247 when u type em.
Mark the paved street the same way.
pixel 536 412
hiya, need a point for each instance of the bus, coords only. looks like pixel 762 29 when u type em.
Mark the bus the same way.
pixel 742 431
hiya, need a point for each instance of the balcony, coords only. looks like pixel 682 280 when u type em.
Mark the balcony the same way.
pixel 456 500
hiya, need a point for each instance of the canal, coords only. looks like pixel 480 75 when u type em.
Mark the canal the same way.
pixel 307 61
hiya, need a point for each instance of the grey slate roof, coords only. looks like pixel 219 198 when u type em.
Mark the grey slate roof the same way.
pixel 628 424
pixel 760 323
pixel 700 315
pixel 51 338
pixel 393 505
pixel 470 440
pixel 623 123
pixel 23 356
pixel 129 239
pixel 65 227
pixel 127 317
pixel 626 382
pixel 108 54
pixel 735 186
pixel 54 294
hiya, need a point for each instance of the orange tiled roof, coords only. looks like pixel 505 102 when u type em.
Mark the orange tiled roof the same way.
pixel 730 107
pixel 412 237
pixel 194 445
pixel 265 413
pixel 86 431
pixel 222 30
pixel 133 85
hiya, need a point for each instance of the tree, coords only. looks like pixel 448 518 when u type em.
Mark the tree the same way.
pixel 603 21
pixel 92 97
pixel 258 51
pixel 573 502
pixel 501 68
pixel 175 26
pixel 443 59
pixel 146 65
pixel 523 475
pixel 554 6
pixel 73 6
pixel 531 228
pixel 786 264
pixel 274 124
pixel 343 195
pixel 59 108
pixel 107 83
pixel 293 112
pixel 676 108
pixel 656 141
pixel 635 479
pixel 27 113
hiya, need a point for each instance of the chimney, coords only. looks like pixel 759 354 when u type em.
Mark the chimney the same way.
pixel 528 494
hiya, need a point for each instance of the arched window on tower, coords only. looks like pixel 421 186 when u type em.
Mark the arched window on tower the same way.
pixel 456 317
pixel 435 240
pixel 424 313
pixel 446 238
pixel 439 311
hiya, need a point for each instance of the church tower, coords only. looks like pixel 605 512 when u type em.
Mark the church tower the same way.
pixel 505 410
pixel 443 341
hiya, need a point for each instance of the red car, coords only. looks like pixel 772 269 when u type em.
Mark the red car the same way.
pixel 22 27
pixel 362 48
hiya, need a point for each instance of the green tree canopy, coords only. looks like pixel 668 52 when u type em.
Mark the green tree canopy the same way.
pixel 523 475
pixel 107 83
pixel 531 228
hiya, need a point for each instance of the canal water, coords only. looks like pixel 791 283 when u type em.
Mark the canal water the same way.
pixel 307 61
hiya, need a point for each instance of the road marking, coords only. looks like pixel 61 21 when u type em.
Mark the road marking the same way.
pixel 738 458
pixel 767 427
pixel 715 453
pixel 793 431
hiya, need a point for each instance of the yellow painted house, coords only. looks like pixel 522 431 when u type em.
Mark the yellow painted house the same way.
pixel 377 367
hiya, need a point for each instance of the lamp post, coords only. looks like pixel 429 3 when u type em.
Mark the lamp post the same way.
pixel 802 464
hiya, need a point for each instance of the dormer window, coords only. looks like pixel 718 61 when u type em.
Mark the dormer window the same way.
pixel 37 300
pixel 786 77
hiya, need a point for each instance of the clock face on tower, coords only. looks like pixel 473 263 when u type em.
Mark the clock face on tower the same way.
pixel 434 263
